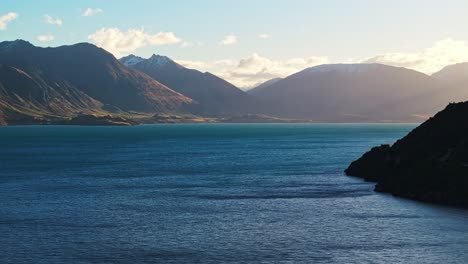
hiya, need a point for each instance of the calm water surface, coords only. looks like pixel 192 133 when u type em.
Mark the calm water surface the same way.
pixel 210 193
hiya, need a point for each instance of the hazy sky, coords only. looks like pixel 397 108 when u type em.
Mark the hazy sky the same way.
pixel 251 41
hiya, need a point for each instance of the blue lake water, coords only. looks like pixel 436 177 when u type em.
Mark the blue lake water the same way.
pixel 210 193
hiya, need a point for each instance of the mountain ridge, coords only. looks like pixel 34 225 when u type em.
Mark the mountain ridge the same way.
pixel 67 80
pixel 263 85
pixel 216 96
pixel 356 93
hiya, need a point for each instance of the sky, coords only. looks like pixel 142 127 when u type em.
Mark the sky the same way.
pixel 248 42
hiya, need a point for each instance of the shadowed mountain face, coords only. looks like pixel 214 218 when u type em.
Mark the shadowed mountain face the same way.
pixel 356 93
pixel 2 118
pixel 429 164
pixel 457 76
pixel 216 96
pixel 62 81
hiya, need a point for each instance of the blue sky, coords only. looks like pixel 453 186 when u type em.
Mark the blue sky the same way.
pixel 268 37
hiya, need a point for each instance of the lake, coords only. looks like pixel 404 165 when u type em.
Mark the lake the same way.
pixel 210 193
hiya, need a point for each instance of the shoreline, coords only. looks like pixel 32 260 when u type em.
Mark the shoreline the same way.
pixel 92 120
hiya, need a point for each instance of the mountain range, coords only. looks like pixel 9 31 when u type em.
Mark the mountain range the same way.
pixel 38 84
pixel 216 97
pixel 357 93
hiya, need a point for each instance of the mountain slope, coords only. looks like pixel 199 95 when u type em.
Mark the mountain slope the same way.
pixel 455 73
pixel 356 93
pixel 215 95
pixel 67 80
pixel 457 76
pixel 25 94
pixel 429 164
pixel 263 85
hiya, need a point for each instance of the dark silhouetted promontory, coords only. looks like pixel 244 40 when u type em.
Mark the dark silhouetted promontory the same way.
pixel 429 164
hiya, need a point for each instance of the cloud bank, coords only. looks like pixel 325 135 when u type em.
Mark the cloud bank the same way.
pixel 124 42
pixel 254 69
pixel 442 53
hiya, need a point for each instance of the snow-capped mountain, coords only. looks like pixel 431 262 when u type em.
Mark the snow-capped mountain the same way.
pixel 131 60
pixel 214 95
pixel 158 60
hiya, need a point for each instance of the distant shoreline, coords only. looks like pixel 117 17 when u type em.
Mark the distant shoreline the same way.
pixel 179 123
pixel 92 120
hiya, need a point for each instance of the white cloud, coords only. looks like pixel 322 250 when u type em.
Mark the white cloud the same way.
pixel 91 12
pixel 442 53
pixel 5 19
pixel 264 36
pixel 53 21
pixel 228 40
pixel 199 65
pixel 187 44
pixel 119 42
pixel 254 69
pixel 207 65
pixel 45 37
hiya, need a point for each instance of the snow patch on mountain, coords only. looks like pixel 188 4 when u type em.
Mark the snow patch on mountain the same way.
pixel 131 60
pixel 158 60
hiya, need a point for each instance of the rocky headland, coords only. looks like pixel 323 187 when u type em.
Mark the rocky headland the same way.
pixel 430 164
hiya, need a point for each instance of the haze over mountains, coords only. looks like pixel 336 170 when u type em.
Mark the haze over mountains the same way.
pixel 41 83
pixel 357 93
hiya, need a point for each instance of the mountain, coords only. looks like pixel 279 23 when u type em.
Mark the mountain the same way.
pixel 2 119
pixel 457 76
pixel 261 86
pixel 429 164
pixel 456 73
pixel 64 81
pixel 131 60
pixel 356 93
pixel 216 96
